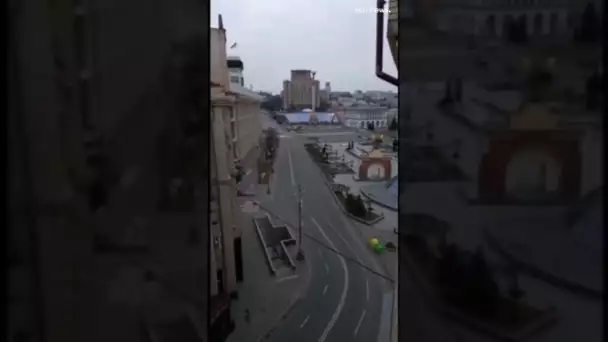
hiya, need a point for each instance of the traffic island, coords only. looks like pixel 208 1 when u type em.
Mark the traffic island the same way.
pixel 461 286
pixel 355 207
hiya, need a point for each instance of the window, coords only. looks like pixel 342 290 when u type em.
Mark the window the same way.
pixel 234 79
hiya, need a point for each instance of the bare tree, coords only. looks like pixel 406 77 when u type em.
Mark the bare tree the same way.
pixel 271 141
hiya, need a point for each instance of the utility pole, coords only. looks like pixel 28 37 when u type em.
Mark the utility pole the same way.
pixel 300 255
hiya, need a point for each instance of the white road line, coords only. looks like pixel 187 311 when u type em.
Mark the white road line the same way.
pixel 304 323
pixel 326 268
pixel 366 251
pixel 324 290
pixel 367 290
pixel 360 320
pixel 350 248
pixel 295 276
pixel 336 314
pixel 293 179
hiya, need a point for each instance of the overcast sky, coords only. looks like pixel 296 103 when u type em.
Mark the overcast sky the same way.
pixel 327 36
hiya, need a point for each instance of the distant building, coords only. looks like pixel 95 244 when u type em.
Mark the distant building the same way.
pixel 298 92
pixel 360 117
pixel 327 91
pixel 558 19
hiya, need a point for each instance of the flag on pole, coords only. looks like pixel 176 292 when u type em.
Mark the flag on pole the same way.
pixel 233 46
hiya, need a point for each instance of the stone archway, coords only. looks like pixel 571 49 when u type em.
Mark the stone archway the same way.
pixel 376 167
pixel 532 174
pixel 376 171
pixel 558 151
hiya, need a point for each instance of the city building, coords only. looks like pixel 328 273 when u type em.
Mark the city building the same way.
pixel 108 204
pixel 245 125
pixel 327 91
pixel 233 107
pixel 235 69
pixel 298 92
pixel 360 117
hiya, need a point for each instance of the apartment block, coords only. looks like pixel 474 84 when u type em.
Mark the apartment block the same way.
pixel 298 92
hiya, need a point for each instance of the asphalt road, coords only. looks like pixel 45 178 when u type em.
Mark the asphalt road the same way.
pixel 344 301
pixel 311 317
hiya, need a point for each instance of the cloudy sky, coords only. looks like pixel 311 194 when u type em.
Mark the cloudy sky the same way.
pixel 336 38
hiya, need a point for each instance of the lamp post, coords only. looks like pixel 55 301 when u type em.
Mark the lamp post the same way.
pixel 300 255
pixel 313 116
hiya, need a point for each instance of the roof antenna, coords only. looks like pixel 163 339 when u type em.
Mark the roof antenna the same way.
pixel 220 22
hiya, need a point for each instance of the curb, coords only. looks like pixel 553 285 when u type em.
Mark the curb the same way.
pixel 349 215
pixel 371 198
pixel 290 306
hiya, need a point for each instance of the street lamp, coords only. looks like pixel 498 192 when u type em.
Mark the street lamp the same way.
pixel 313 116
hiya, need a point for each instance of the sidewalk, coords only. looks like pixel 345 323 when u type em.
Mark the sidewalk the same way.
pixel 267 297
pixel 249 163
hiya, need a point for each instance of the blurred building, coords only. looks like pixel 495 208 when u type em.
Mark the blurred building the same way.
pixel 360 117
pixel 298 92
pixel 245 126
pixel 109 172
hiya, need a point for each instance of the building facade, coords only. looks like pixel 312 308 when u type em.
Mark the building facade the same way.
pixel 492 18
pixel 245 125
pixel 360 117
pixel 102 167
pixel 298 92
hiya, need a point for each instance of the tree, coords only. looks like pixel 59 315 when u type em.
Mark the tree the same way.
pixel 272 103
pixel 272 141
pixel 360 209
pixel 393 126
pixel 323 106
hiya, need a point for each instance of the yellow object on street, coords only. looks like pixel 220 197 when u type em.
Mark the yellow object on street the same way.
pixel 374 242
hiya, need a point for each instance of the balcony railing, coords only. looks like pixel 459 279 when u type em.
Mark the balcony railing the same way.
pixel 381 7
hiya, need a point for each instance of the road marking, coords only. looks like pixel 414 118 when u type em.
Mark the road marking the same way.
pixel 287 278
pixel 304 323
pixel 349 247
pixel 293 179
pixel 334 318
pixel 370 256
pixel 324 290
pixel 326 268
pixel 360 320
pixel 367 290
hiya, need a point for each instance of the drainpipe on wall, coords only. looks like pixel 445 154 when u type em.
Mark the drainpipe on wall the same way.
pixel 380 46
